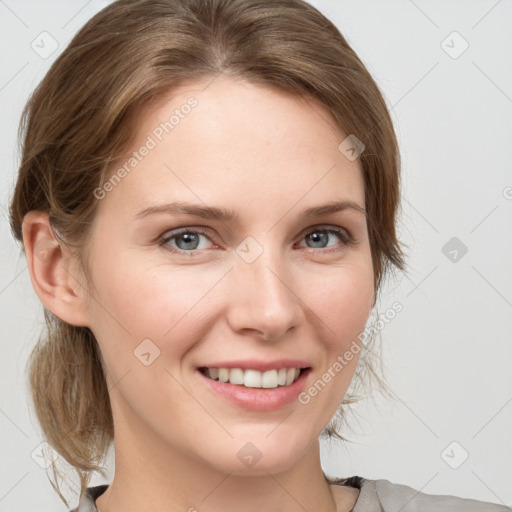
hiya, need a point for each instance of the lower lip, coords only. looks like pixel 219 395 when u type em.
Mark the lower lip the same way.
pixel 257 399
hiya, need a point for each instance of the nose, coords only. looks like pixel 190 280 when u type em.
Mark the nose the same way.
pixel 263 300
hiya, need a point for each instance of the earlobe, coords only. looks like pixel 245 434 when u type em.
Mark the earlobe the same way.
pixel 48 262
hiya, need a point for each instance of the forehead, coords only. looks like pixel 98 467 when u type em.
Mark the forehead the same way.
pixel 208 139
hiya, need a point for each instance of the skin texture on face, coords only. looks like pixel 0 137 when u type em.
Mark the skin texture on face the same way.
pixel 257 287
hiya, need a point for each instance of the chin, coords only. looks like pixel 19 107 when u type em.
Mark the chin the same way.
pixel 260 452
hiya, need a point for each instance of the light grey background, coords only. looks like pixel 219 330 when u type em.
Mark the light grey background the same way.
pixel 448 354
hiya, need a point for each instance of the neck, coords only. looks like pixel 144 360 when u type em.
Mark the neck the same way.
pixel 153 474
pixel 180 482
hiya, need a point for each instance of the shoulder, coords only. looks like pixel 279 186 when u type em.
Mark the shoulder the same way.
pixel 87 499
pixel 392 497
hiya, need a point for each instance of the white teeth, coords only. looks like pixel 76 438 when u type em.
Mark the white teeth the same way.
pixel 254 378
pixel 269 379
pixel 290 375
pixel 236 376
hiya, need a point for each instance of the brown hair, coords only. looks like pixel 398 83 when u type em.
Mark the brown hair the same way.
pixel 77 122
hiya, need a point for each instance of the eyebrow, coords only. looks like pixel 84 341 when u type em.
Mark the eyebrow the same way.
pixel 223 214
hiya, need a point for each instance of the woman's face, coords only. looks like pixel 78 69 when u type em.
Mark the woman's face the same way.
pixel 266 287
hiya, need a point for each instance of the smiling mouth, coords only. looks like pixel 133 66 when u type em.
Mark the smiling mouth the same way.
pixel 250 378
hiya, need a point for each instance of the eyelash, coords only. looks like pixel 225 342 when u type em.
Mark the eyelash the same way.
pixel 345 237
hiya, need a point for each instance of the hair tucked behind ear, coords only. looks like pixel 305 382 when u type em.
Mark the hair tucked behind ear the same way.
pixel 78 122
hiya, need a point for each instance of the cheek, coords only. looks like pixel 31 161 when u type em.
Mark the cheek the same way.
pixel 342 300
pixel 162 304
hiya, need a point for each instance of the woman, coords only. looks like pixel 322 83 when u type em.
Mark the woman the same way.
pixel 207 202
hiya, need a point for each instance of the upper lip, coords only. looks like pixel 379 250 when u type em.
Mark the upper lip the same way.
pixel 256 364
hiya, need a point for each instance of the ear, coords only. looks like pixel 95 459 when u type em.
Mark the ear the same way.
pixel 49 262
